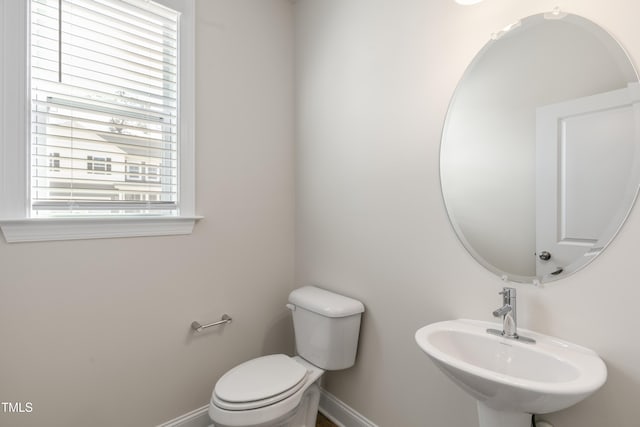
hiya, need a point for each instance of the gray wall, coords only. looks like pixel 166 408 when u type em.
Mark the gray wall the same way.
pixel 96 333
pixel 374 79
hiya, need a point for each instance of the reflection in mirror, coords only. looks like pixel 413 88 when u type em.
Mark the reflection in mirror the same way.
pixel 539 154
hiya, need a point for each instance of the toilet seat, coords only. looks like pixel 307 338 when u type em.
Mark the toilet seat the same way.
pixel 259 382
pixel 272 413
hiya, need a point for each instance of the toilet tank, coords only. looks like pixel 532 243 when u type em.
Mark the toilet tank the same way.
pixel 327 326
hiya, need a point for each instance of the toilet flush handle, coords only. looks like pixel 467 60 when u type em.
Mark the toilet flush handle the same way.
pixel 291 307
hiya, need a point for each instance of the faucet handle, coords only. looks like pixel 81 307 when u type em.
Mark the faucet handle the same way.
pixel 508 292
pixel 508 295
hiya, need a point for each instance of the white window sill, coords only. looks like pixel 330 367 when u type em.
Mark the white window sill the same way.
pixel 47 229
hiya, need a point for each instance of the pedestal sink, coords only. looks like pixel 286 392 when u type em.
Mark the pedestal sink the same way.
pixel 511 379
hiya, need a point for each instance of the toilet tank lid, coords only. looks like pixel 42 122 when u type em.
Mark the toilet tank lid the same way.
pixel 324 302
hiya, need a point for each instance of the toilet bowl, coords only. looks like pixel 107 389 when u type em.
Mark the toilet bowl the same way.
pixel 267 391
pixel 282 391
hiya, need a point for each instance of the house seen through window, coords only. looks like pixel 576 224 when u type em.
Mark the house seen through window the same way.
pixel 104 98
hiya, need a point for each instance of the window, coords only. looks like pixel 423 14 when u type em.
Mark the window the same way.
pixel 54 162
pixel 103 87
pixel 141 172
pixel 96 165
pixel 109 116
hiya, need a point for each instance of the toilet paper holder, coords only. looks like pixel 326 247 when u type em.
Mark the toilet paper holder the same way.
pixel 196 326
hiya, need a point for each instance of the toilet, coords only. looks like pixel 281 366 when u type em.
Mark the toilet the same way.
pixel 284 391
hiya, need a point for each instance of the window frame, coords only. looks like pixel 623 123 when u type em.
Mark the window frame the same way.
pixel 15 220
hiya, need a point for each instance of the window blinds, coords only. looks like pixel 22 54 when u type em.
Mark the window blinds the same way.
pixel 104 99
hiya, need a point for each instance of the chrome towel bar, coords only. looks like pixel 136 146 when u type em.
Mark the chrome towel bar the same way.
pixel 196 326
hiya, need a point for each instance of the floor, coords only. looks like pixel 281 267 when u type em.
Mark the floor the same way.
pixel 323 421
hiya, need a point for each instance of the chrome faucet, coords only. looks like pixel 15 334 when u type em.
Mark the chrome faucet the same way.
pixel 509 317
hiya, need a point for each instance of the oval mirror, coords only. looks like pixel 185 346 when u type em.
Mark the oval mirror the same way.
pixel 539 153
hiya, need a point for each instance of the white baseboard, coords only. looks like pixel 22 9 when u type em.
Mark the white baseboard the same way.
pixel 331 407
pixel 340 413
pixel 196 418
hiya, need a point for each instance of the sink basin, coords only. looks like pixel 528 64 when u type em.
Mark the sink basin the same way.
pixel 509 378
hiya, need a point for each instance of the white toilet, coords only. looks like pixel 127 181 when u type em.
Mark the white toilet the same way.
pixel 283 391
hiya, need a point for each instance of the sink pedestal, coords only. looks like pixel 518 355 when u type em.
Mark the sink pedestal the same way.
pixel 489 417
